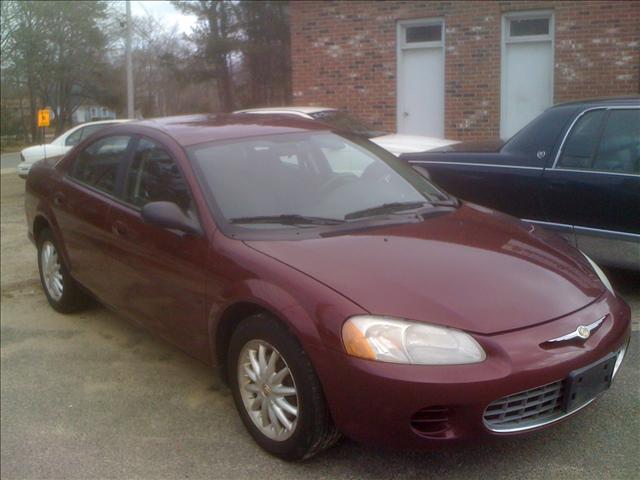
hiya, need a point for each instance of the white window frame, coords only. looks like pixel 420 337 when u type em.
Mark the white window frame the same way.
pixel 423 22
pixel 401 44
pixel 506 39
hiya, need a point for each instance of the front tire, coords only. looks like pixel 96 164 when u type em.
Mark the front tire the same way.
pixel 62 291
pixel 276 390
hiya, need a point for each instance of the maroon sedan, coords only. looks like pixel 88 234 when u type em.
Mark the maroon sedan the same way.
pixel 338 289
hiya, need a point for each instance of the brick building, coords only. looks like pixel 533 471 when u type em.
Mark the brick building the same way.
pixel 463 70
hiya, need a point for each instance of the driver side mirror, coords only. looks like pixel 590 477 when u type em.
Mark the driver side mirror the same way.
pixel 169 215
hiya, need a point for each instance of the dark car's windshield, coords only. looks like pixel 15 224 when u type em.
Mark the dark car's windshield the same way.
pixel 343 121
pixel 316 178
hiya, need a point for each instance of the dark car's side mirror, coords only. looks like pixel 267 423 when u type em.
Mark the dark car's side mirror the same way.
pixel 169 215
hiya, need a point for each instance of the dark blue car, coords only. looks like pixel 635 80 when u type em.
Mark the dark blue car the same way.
pixel 574 169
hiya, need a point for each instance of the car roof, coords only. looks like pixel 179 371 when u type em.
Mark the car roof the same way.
pixel 292 109
pixel 99 122
pixel 597 102
pixel 193 129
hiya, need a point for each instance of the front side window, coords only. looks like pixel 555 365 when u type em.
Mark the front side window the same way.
pixel 619 149
pixel 97 165
pixel 336 177
pixel 581 144
pixel 154 176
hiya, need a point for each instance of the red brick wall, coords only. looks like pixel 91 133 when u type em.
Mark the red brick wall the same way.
pixel 344 55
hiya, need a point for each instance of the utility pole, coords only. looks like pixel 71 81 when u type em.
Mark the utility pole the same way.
pixel 130 108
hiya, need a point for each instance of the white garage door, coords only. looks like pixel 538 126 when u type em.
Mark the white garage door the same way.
pixel 421 78
pixel 527 69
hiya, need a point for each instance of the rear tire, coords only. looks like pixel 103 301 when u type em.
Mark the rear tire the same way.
pixel 62 292
pixel 281 402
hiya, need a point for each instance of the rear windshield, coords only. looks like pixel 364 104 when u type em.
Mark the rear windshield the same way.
pixel 542 133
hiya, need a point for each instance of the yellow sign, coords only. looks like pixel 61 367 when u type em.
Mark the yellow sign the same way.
pixel 43 118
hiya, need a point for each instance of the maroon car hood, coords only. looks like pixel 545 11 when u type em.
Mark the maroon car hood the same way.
pixel 472 269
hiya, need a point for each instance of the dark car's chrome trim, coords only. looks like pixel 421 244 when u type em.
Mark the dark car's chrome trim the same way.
pixel 557 226
pixel 598 172
pixel 566 135
pixel 632 237
pixel 471 164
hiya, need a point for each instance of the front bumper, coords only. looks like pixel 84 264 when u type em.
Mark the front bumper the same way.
pixel 384 403
pixel 23 169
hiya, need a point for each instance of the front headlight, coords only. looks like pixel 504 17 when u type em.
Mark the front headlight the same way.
pixel 399 341
pixel 603 278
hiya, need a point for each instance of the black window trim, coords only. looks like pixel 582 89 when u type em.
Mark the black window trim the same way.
pixel 123 170
pixel 122 183
pixel 69 174
pixel 555 165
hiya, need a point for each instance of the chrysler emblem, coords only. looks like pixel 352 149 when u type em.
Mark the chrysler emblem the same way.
pixel 582 332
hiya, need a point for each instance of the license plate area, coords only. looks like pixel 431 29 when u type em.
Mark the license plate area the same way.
pixel 586 383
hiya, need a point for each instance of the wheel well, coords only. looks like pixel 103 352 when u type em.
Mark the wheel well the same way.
pixel 39 225
pixel 230 319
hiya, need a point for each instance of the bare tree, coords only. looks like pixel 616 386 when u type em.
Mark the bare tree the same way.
pixel 53 53
pixel 215 38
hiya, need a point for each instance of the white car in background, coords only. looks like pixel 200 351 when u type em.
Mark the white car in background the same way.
pixel 60 145
pixel 396 143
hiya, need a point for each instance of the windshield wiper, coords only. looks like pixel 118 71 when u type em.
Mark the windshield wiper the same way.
pixel 398 207
pixel 288 219
pixel 385 208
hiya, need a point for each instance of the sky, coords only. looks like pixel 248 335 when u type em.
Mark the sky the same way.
pixel 164 12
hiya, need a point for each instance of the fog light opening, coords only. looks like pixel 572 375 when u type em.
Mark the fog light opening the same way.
pixel 431 421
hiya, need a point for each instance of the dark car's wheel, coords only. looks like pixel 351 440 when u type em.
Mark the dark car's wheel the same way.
pixel 276 390
pixel 62 292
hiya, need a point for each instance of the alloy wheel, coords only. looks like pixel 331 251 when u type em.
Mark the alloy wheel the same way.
pixel 268 390
pixel 51 270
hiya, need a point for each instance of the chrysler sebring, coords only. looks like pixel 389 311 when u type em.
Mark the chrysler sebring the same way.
pixel 337 289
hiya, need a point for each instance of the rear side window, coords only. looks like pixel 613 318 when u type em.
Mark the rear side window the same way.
pixel 581 144
pixel 74 138
pixel 97 165
pixel 154 176
pixel 91 129
pixel 619 149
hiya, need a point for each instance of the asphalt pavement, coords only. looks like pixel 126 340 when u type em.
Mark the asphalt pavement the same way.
pixel 90 396
pixel 9 160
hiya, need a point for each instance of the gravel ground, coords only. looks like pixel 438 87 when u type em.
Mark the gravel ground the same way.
pixel 91 396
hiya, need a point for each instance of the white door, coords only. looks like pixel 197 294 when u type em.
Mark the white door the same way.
pixel 527 69
pixel 421 78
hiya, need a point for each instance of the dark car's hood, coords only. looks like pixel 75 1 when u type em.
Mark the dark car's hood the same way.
pixel 472 269
pixel 482 146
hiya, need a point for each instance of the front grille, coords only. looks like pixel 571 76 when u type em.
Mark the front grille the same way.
pixel 526 409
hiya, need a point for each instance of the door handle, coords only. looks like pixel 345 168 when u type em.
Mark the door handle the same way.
pixel 58 198
pixel 119 228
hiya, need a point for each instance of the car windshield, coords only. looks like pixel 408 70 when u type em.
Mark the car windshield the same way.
pixel 317 178
pixel 343 121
